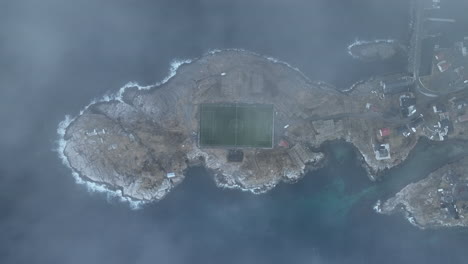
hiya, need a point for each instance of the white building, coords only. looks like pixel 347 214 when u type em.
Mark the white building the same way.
pixel 382 152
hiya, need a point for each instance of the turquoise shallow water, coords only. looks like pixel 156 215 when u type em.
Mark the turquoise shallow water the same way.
pixel 327 216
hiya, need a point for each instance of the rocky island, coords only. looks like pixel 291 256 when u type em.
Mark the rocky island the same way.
pixel 369 51
pixel 253 122
pixel 141 142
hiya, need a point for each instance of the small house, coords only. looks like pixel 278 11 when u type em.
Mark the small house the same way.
pixel 443 66
pixel 407 101
pixel 439 108
pixel 382 152
pixel 407 105
pixel 446 123
pixel 416 123
pixel 459 103
pixel 404 130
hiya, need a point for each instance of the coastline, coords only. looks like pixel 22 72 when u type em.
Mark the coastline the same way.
pixel 231 178
pixel 374 50
pixel 116 193
pixel 61 142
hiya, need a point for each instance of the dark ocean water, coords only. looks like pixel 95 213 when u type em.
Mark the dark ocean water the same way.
pixel 59 55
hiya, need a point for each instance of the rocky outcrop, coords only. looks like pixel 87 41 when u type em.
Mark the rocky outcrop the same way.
pixel 381 49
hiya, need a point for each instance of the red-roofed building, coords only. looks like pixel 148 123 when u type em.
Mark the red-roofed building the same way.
pixel 384 132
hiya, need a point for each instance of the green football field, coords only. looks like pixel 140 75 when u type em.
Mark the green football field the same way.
pixel 236 125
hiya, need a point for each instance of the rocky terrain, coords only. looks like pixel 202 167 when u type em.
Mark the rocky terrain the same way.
pixel 439 200
pixel 369 51
pixel 141 142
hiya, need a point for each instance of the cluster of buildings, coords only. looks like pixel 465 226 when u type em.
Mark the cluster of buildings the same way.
pixel 459 107
pixel 453 194
pixel 443 124
pixel 409 119
pixel 440 73
pixel 416 117
pixel 451 64
pixel 448 79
